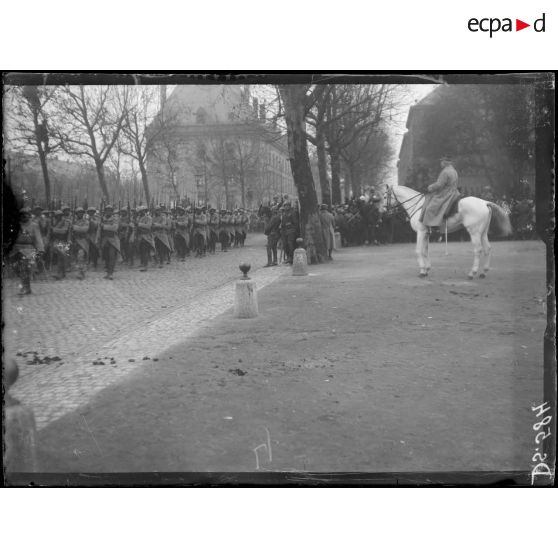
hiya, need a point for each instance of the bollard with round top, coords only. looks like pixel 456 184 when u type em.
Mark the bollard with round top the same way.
pixel 300 260
pixel 246 299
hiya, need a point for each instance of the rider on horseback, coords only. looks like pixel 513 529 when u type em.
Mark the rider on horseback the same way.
pixel 441 196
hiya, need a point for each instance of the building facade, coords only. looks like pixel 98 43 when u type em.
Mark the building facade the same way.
pixel 212 145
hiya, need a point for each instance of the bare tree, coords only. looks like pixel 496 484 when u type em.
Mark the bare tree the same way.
pixel 147 129
pixel 89 120
pixel 297 101
pixel 30 112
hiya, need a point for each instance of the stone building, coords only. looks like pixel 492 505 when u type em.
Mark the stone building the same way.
pixel 212 144
pixel 418 163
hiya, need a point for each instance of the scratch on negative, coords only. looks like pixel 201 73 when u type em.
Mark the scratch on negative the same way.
pixel 91 434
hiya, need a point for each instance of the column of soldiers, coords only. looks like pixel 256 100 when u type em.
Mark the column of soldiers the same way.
pixel 62 240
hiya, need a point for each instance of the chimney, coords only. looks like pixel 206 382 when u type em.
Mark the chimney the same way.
pixel 162 95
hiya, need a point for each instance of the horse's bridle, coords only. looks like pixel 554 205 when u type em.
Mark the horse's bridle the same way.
pixel 411 212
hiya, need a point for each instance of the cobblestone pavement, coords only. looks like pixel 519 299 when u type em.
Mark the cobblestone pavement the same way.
pixel 115 322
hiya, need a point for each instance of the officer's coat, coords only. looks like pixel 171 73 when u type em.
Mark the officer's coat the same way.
pixel 29 240
pixel 144 230
pixel 109 232
pixel 328 229
pixel 441 194
pixel 160 230
pixel 81 228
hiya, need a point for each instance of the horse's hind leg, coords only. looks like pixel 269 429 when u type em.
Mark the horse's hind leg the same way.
pixel 477 249
pixel 486 252
pixel 422 252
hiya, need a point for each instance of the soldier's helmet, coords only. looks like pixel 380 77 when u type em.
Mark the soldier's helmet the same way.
pixel 91 210
pixel 323 206
pixel 58 213
pixel 37 210
pixel 65 208
pixel 212 210
pixel 26 210
pixel 80 210
pixel 180 209
pixel 223 211
pixel 124 211
pixel 287 204
pixel 142 209
pixel 109 208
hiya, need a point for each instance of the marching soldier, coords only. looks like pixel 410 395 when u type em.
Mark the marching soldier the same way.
pixel 81 243
pixel 199 232
pixel 223 230
pixel 60 237
pixel 243 226
pixel 41 218
pixel 125 234
pixel 109 243
pixel 171 228
pixel 162 246
pixel 213 223
pixel 190 244
pixel 182 234
pixel 28 247
pixel 145 242
pixel 92 236
pixel 230 227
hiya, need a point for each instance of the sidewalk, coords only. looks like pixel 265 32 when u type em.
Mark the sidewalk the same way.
pixel 360 366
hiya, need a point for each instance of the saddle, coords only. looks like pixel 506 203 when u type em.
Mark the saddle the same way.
pixel 452 207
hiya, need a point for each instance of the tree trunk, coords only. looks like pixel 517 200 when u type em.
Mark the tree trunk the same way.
pixel 322 165
pixel 335 175
pixel 144 180
pixel 293 97
pixel 46 177
pixel 102 179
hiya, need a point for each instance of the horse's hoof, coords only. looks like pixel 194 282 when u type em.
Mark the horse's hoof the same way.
pixel 422 275
pixel 471 276
pixel 482 276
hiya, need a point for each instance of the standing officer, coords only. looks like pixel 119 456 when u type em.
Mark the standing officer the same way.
pixel 28 247
pixel 289 230
pixel 271 230
pixel 109 243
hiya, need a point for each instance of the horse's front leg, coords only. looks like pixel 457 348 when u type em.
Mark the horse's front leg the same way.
pixel 477 250
pixel 422 252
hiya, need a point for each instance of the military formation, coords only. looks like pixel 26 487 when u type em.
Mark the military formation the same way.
pixel 61 241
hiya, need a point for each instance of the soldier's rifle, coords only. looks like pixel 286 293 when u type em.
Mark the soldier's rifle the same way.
pixel 100 224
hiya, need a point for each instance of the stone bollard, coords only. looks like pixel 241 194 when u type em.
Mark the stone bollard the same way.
pixel 300 261
pixel 20 435
pixel 246 298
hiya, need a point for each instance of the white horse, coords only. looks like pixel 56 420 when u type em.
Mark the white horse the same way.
pixel 473 214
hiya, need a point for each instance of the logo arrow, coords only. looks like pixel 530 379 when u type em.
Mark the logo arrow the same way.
pixel 519 25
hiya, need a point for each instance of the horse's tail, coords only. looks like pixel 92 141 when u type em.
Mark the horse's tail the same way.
pixel 502 219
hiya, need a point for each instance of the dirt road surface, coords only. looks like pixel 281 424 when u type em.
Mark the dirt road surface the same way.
pixel 360 366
